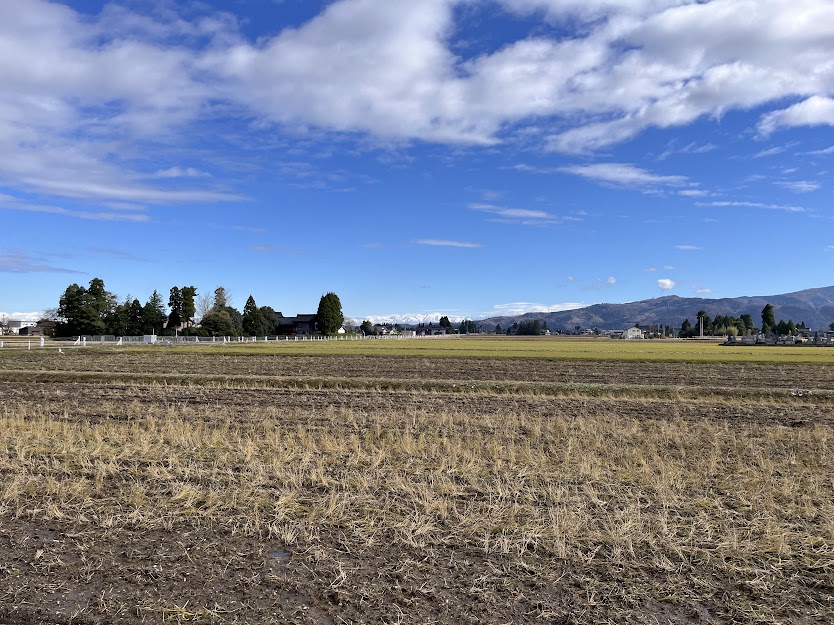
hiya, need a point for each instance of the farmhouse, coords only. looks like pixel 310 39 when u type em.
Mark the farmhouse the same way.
pixel 633 333
pixel 300 324
pixel 15 325
pixel 431 331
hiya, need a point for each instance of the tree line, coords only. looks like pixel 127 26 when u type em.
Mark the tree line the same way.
pixel 93 310
pixel 727 325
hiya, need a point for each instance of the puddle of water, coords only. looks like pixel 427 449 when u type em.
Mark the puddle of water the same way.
pixel 278 554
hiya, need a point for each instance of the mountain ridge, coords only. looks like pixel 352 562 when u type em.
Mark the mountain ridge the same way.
pixel 813 306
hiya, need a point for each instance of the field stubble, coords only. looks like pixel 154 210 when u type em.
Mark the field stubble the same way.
pixel 221 498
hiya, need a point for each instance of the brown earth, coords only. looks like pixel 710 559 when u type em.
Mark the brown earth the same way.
pixel 76 565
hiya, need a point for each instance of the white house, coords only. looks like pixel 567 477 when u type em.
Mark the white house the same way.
pixel 633 333
pixel 16 325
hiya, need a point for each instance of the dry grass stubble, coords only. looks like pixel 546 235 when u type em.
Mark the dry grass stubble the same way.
pixel 593 518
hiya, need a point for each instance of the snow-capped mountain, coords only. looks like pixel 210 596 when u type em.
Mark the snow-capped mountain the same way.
pixel 407 318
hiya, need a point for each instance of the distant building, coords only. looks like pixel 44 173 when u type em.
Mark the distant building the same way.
pixel 300 324
pixel 431 331
pixel 633 333
pixel 16 325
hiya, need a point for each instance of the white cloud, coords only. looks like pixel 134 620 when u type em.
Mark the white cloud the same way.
pixel 651 270
pixel 703 291
pixel 23 262
pixel 250 229
pixel 86 96
pixel 815 111
pixel 688 248
pixel 8 202
pixel 600 284
pixel 447 243
pixel 519 308
pixel 823 152
pixel 800 186
pixel 518 215
pixel 770 152
pixel 690 148
pixel 737 204
pixel 181 172
pixel 665 284
pixel 21 316
pixel 692 193
pixel 625 175
pixel 278 249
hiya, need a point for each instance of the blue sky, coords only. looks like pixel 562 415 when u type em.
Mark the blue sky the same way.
pixel 456 157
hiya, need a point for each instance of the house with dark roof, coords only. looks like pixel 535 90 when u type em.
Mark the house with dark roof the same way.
pixel 298 325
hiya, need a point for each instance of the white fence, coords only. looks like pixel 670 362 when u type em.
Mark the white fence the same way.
pixel 167 341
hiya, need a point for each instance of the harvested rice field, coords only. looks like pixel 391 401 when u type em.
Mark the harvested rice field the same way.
pixel 314 484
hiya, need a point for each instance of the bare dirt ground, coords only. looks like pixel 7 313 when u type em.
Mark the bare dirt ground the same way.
pixel 216 498
pixel 707 376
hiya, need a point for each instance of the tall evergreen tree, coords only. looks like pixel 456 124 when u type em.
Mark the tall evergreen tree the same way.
pixel 268 314
pixel 85 311
pixel 135 319
pixel 768 319
pixel 329 317
pixel 175 317
pixel 253 322
pixel 154 315
pixel 221 298
pixel 189 307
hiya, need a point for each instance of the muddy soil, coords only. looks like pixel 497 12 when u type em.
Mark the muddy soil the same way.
pixel 701 376
pixel 88 573
pixel 93 402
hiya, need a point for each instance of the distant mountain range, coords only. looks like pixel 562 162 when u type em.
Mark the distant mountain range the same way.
pixel 813 306
pixel 407 319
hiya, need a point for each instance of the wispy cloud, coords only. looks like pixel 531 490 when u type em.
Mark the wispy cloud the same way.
pixel 114 253
pixel 823 152
pixel 601 283
pixel 88 190
pixel 252 229
pixel 625 175
pixel 447 243
pixel 519 308
pixel 181 172
pixel 688 248
pixel 22 262
pixel 800 186
pixel 520 215
pixel 278 249
pixel 780 207
pixel 691 148
pixel 770 152
pixel 9 202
